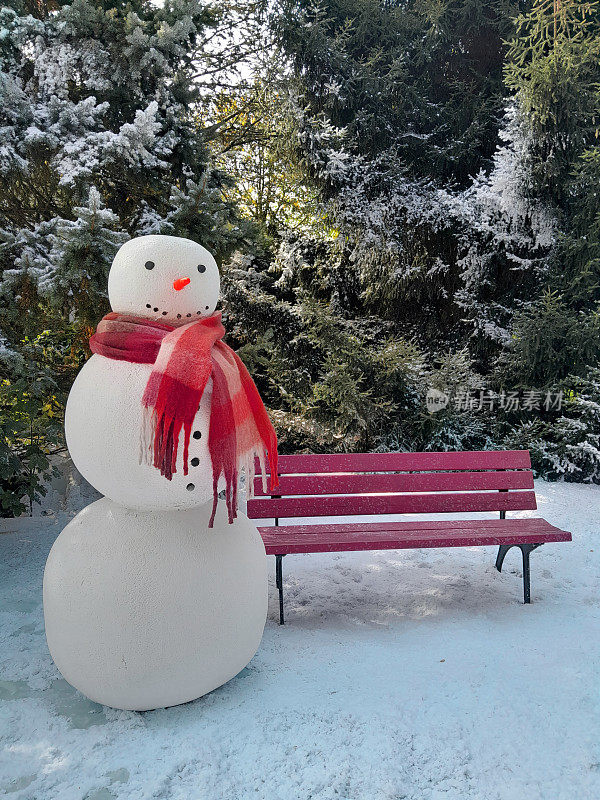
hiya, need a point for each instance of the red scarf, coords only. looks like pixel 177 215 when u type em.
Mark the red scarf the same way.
pixel 184 358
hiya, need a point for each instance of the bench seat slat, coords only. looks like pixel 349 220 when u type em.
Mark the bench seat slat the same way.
pixel 316 506
pixel 525 523
pixel 388 462
pixel 406 535
pixel 393 482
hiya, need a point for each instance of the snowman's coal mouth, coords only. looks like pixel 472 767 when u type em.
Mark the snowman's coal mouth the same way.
pixel 162 313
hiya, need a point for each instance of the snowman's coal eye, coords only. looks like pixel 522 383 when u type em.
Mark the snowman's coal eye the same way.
pixel 201 268
pixel 149 264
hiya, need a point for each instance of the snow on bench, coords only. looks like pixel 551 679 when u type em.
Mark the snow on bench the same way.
pixel 313 486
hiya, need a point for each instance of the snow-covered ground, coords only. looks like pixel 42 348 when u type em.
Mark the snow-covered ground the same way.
pixel 401 674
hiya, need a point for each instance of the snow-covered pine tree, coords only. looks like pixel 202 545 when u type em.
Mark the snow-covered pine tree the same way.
pixel 81 255
pixel 398 106
pixel 530 243
pixel 432 180
pixel 506 236
pixel 554 67
pixel 101 96
pixel 100 138
pixel 388 107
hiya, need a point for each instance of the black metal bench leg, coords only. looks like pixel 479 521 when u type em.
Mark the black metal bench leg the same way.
pixel 279 584
pixel 502 551
pixel 525 550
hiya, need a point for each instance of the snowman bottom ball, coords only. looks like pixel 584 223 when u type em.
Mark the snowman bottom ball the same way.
pixel 146 610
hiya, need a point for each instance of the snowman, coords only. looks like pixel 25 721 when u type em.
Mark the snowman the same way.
pixel 157 593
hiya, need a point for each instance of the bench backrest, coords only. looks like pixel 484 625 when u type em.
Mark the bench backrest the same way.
pixel 344 484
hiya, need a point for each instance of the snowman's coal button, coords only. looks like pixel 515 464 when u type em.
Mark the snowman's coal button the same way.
pixel 197 434
pixel 201 268
pixel 194 462
pixel 190 487
pixel 149 264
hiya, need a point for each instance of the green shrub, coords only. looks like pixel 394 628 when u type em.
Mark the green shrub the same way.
pixel 33 390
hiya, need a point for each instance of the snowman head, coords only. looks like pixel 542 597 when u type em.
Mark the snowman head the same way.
pixel 165 278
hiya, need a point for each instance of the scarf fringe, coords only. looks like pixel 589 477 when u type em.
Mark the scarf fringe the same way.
pixel 248 465
pixel 147 436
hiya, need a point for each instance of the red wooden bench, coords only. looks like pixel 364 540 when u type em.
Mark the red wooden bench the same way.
pixel 402 483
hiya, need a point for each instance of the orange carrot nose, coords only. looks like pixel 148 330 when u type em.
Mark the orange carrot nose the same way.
pixel 180 283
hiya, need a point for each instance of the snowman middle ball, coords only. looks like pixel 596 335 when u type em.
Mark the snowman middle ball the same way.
pixel 103 419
